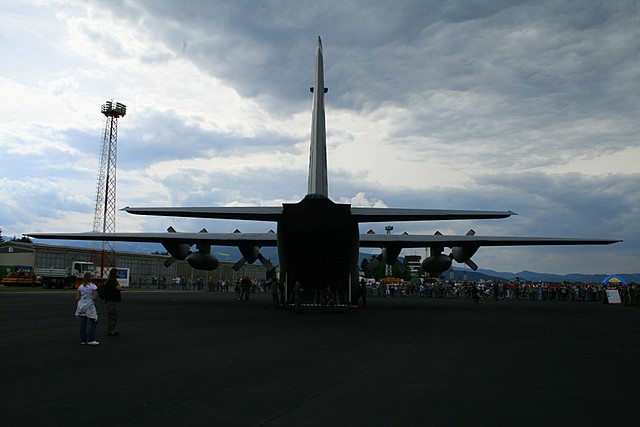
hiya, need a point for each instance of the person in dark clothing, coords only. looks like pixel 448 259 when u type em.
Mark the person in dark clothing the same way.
pixel 297 293
pixel 281 292
pixel 245 285
pixel 274 291
pixel 475 292
pixel 112 298
pixel 363 292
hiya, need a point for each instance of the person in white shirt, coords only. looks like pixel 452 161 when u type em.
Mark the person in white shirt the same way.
pixel 86 310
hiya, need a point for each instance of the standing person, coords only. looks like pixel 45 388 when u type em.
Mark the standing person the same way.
pixel 274 291
pixel 86 310
pixel 237 290
pixel 475 292
pixel 113 298
pixel 363 292
pixel 245 284
pixel 297 293
pixel 281 291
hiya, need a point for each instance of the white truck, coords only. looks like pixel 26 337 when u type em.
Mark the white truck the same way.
pixel 70 277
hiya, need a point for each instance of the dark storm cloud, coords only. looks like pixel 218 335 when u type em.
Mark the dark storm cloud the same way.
pixel 264 48
pixel 490 73
pixel 536 46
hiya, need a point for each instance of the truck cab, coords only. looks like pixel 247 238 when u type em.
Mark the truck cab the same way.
pixel 78 268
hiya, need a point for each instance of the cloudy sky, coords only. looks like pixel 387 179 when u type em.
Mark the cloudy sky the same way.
pixel 527 106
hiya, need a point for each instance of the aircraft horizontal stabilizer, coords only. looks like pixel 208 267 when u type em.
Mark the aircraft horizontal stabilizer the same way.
pixel 252 213
pixel 398 214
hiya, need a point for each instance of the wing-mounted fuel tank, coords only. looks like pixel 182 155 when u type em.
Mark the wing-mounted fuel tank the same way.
pixel 202 259
pixel 437 262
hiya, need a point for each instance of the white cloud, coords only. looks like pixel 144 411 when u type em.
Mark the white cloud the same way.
pixel 361 200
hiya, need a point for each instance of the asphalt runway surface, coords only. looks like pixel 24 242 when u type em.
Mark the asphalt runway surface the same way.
pixel 201 358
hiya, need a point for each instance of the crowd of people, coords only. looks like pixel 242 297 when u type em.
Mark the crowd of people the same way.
pixel 498 291
pixel 196 284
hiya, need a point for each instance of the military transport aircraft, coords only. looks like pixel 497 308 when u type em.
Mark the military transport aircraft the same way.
pixel 318 240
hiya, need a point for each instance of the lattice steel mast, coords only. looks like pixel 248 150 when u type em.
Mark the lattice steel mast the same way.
pixel 105 214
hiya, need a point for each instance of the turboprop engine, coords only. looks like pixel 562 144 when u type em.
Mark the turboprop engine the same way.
pixel 250 254
pixel 463 254
pixel 176 250
pixel 390 257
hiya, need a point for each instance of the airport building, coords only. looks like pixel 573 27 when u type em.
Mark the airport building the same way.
pixel 414 263
pixel 145 270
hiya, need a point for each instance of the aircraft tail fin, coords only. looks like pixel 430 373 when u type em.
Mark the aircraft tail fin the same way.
pixel 317 184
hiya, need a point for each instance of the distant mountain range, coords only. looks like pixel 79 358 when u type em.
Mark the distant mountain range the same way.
pixel 230 253
pixel 531 276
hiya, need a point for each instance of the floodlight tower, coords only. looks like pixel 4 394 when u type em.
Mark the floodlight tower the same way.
pixel 104 220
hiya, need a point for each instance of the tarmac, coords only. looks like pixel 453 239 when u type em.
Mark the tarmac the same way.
pixel 202 358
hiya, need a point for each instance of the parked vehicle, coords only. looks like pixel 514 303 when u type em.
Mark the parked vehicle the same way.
pixel 70 277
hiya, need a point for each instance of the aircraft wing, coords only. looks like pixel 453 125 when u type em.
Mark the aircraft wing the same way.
pixel 423 241
pixel 254 213
pixel 398 214
pixel 359 214
pixel 221 239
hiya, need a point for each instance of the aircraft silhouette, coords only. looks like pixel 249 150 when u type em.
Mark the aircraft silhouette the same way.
pixel 317 239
